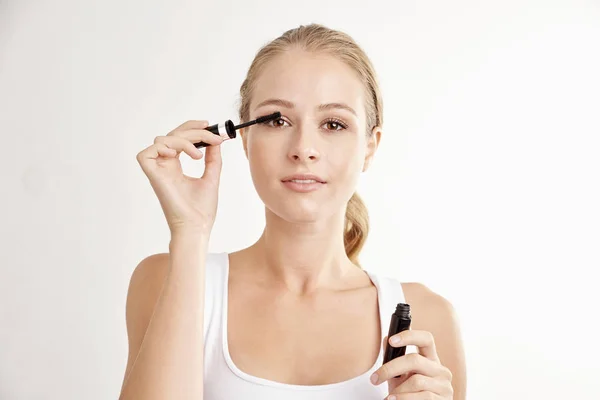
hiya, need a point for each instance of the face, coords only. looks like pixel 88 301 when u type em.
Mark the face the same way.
pixel 321 132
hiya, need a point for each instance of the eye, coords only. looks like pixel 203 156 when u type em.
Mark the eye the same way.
pixel 277 123
pixel 335 124
pixel 332 124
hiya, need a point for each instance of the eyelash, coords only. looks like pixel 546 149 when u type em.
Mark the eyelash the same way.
pixel 329 120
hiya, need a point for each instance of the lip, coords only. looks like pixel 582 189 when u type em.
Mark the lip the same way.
pixel 303 187
pixel 303 177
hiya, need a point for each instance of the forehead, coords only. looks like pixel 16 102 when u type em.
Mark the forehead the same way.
pixel 309 79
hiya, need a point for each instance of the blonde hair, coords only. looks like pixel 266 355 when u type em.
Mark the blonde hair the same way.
pixel 318 38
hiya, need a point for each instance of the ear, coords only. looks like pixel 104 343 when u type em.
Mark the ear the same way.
pixel 244 135
pixel 372 145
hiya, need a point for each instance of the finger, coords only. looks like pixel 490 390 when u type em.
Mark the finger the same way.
pixel 196 136
pixel 192 124
pixel 179 144
pixel 424 340
pixel 409 363
pixel 419 383
pixel 398 379
pixel 165 151
pixel 213 164
pixel 154 151
pixel 200 135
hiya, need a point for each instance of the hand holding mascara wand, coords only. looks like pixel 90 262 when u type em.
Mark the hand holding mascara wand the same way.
pixel 227 130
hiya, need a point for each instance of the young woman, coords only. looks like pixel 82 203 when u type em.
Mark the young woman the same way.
pixel 294 316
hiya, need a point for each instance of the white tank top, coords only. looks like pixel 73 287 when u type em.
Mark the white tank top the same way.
pixel 224 381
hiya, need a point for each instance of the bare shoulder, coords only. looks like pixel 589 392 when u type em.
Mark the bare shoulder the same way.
pixel 145 285
pixel 423 297
pixel 436 314
pixel 433 313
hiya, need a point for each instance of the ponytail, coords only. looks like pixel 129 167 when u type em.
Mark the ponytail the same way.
pixel 356 227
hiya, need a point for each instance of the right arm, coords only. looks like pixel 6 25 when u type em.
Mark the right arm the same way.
pixel 165 300
pixel 166 344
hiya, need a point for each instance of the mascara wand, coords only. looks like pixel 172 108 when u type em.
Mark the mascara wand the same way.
pixel 227 130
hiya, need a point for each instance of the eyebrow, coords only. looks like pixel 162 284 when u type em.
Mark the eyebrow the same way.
pixel 320 107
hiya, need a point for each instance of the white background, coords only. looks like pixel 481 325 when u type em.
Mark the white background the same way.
pixel 486 187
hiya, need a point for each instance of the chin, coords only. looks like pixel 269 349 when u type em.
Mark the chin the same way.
pixel 296 210
pixel 297 207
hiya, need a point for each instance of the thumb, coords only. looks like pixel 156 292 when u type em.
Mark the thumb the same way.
pixel 213 163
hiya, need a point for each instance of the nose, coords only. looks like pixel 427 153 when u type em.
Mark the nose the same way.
pixel 304 147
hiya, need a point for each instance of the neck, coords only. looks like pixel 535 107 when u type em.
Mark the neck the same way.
pixel 303 257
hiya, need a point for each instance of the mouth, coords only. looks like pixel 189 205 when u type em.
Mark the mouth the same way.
pixel 303 183
pixel 304 178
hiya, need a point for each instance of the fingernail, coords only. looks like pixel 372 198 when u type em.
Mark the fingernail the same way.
pixel 395 340
pixel 392 397
pixel 374 378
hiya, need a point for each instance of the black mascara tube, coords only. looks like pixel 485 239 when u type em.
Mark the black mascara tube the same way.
pixel 227 130
pixel 400 321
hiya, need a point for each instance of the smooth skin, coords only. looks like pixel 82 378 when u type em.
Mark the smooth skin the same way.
pixel 295 287
pixel 165 301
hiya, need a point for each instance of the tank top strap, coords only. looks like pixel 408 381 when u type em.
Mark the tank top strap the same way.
pixel 390 294
pixel 215 277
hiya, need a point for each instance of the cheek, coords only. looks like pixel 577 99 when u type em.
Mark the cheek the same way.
pixel 345 168
pixel 348 159
pixel 261 156
pixel 348 172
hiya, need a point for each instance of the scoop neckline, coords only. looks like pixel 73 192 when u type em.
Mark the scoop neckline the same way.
pixel 268 382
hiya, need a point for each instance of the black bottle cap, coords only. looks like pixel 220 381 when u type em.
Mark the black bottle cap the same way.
pixel 403 310
pixel 230 127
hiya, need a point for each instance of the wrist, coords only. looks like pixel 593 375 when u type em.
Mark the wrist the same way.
pixel 188 250
pixel 196 237
pixel 187 228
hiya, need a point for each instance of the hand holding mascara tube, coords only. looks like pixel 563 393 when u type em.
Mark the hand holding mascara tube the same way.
pixel 227 130
pixel 434 378
pixel 177 196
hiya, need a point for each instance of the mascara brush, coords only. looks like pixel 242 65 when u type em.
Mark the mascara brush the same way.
pixel 227 130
